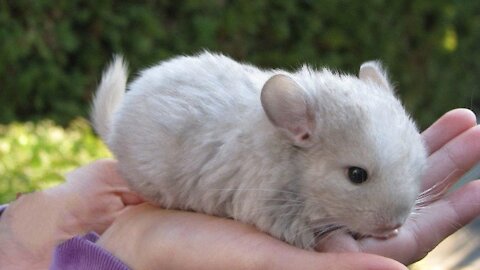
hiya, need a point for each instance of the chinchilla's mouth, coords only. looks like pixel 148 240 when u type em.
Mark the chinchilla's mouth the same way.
pixel 357 235
pixel 326 230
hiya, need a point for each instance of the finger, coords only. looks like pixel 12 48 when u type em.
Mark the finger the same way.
pixel 130 198
pixel 273 254
pixel 433 224
pixel 436 222
pixel 338 242
pixel 98 168
pixel 450 125
pixel 466 204
pixel 452 160
pixel 346 261
pixel 404 247
pixel 107 169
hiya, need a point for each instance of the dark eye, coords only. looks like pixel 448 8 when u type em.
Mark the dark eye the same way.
pixel 357 175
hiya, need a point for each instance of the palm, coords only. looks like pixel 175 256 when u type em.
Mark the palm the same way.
pixel 454 146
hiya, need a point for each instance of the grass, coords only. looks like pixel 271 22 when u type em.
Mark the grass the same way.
pixel 37 155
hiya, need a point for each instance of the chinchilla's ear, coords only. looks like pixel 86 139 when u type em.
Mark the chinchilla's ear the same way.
pixel 289 108
pixel 373 71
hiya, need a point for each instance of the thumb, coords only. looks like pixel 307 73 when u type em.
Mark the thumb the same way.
pixel 130 198
pixel 284 256
pixel 346 261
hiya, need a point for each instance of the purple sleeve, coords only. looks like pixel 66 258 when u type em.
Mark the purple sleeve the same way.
pixel 2 208
pixel 81 253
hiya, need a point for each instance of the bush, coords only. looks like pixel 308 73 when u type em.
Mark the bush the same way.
pixel 36 156
pixel 52 52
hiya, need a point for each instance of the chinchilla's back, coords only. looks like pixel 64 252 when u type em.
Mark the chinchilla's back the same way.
pixel 185 119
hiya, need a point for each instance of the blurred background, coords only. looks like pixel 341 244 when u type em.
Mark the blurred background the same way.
pixel 52 54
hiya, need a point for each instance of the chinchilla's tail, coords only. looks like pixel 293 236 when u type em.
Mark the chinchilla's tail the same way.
pixel 108 96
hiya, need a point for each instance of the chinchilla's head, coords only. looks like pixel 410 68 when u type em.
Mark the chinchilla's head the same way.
pixel 360 154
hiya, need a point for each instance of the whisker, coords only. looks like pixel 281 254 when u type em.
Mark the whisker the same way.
pixel 329 231
pixel 436 191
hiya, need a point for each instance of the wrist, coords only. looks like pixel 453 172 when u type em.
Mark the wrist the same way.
pixel 30 228
pixel 69 211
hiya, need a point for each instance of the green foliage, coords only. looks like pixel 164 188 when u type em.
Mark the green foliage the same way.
pixel 36 156
pixel 52 52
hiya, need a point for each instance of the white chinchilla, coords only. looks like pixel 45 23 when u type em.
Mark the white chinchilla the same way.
pixel 297 154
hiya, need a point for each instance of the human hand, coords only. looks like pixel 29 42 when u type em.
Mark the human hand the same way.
pixel 453 143
pixel 182 240
pixel 146 237
pixel 33 225
pixel 93 196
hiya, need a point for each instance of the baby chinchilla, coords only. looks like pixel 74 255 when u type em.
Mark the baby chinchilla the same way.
pixel 298 154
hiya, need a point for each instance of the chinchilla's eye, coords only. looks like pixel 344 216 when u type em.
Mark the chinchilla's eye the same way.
pixel 357 175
